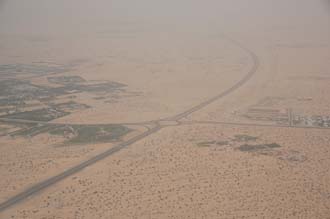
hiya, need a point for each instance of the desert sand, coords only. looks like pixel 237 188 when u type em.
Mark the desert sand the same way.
pixel 167 110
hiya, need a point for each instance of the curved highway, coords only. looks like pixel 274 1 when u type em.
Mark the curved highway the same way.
pixel 158 124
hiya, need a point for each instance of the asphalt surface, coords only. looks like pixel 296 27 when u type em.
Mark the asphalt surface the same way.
pixel 157 125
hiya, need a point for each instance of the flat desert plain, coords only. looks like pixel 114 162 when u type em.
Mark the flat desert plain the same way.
pixel 158 109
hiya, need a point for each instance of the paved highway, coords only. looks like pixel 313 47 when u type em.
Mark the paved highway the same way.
pixel 158 124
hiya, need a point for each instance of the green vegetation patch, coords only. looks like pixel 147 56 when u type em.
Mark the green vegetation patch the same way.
pixel 33 130
pixel 14 87
pixel 15 69
pixel 103 133
pixel 66 79
pixel 71 105
pixel 99 98
pixel 15 92
pixel 254 148
pixel 242 138
pixel 222 143
pixel 110 86
pixel 85 134
pixel 312 121
pixel 46 114
pixel 104 87
pixel 10 102
pixel 205 143
pixel 3 130
pixel 210 143
pixel 76 134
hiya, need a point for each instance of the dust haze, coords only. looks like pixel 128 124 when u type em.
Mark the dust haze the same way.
pixel 164 109
pixel 2 3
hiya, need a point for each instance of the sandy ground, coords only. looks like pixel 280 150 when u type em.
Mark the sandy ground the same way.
pixel 291 76
pixel 170 175
pixel 161 71
pixel 25 162
pixel 221 161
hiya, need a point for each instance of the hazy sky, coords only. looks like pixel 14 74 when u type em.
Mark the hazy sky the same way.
pixel 85 15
